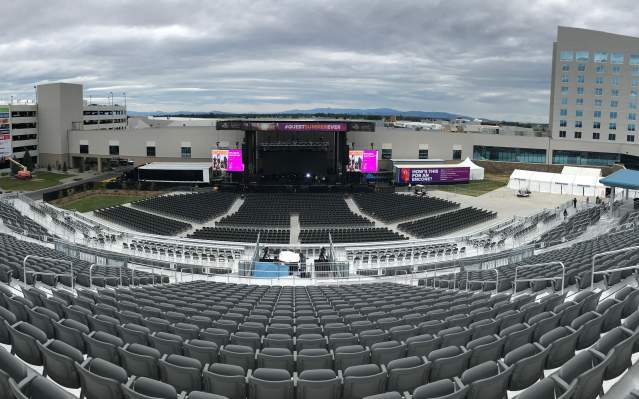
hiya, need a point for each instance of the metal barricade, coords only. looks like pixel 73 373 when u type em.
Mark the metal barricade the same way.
pixel 496 281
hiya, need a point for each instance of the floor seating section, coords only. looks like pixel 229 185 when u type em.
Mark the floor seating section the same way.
pixel 572 228
pixel 391 207
pixel 340 235
pixel 142 221
pixel 51 272
pixel 196 207
pixel 239 234
pixel 577 260
pixel 201 339
pixel 314 210
pixel 21 224
pixel 447 223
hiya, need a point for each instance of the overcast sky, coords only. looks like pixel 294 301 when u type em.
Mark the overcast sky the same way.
pixel 484 58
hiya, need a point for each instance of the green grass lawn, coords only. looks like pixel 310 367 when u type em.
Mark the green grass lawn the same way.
pixel 39 181
pixel 477 188
pixel 98 201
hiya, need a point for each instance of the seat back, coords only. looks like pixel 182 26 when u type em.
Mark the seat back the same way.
pixel 225 380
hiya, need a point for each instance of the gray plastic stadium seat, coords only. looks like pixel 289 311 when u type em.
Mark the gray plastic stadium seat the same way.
pixel 167 343
pixel 373 336
pixel 527 363
pixel 246 338
pixel 274 340
pixel 402 332
pixel 384 352
pixel 186 330
pixel 489 347
pixel 385 395
pixel 43 318
pixel 516 335
pixel 586 371
pixel 455 336
pixel 488 380
pixel 568 310
pixel 146 388
pixel 547 388
pixel 442 389
pixel 276 358
pixel 183 373
pixel 12 368
pixel 217 335
pixel 630 296
pixel 101 379
pixel 342 339
pixel 266 383
pixel 422 345
pixel 140 360
pixel 104 323
pixel 618 344
pixel 310 359
pixel 239 355
pixel 225 380
pixel 23 342
pixel 611 310
pixel 310 341
pixel 134 333
pixel 544 322
pixel 204 351
pixel 71 332
pixel 562 342
pixel 38 388
pixel 363 380
pixel 10 319
pixel 103 345
pixel 448 362
pixel 484 327
pixel 589 326
pixel 59 359
pixel 318 384
pixel 407 374
pixel 157 325
pixel 351 355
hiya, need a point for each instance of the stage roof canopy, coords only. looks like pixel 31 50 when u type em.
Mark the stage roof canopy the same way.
pixel 624 178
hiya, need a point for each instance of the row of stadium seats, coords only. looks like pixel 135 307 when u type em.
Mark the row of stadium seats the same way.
pixel 577 260
pixel 230 340
pixel 238 234
pixel 51 272
pixel 390 207
pixel 196 207
pixel 361 234
pixel 447 222
pixel 572 228
pixel 274 210
pixel 14 220
pixel 142 221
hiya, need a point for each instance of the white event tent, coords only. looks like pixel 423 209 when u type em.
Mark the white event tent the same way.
pixel 571 181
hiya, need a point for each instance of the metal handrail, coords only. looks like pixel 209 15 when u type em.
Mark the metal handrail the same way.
pixel 191 269
pixel 91 274
pixel 484 281
pixel 563 274
pixel 596 256
pixel 24 267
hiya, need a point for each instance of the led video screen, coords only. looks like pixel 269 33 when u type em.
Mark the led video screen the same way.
pixel 363 161
pixel 228 160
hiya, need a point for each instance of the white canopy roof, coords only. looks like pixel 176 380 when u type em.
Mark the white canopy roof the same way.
pixel 577 171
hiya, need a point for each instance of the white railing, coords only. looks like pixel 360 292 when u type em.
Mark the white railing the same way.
pixel 563 274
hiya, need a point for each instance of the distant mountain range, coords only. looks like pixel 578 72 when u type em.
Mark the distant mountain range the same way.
pixel 321 111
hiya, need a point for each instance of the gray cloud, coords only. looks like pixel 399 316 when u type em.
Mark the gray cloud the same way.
pixel 483 58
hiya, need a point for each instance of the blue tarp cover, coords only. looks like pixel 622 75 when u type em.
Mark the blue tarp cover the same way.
pixel 270 270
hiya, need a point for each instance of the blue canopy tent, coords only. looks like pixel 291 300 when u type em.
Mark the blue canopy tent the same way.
pixel 625 179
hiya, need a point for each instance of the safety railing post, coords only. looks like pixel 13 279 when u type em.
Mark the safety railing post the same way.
pixel 91 274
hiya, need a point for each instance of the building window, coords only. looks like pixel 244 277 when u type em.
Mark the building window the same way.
pixel 598 103
pixel 457 154
pixel 598 91
pixel 613 114
pixel 632 105
pixel 630 138
pixel 564 101
pixel 150 151
pixel 600 57
pixel 387 153
pixel 599 80
pixel 563 123
pixel 564 77
pixel 185 152
pixel 614 81
pixel 616 69
pixel 563 112
pixel 612 126
pixel 635 71
pixel 579 113
pixel 565 56
pixel 579 101
pixel 581 56
pixel 84 148
pixel 565 67
pixel 562 157
pixel 578 124
pixel 633 93
pixel 600 69
pixel 614 104
pixel 508 154
pixel 581 78
pixel 634 59
pixel 562 133
pixel 114 150
pixel 632 116
pixel 596 125
pixel 581 67
pixel 617 58
pixel 422 154
pixel 564 89
pixel 596 115
pixel 580 90
pixel 577 135
pixel 595 136
pixel 614 92
pixel 632 127
pixel 612 137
